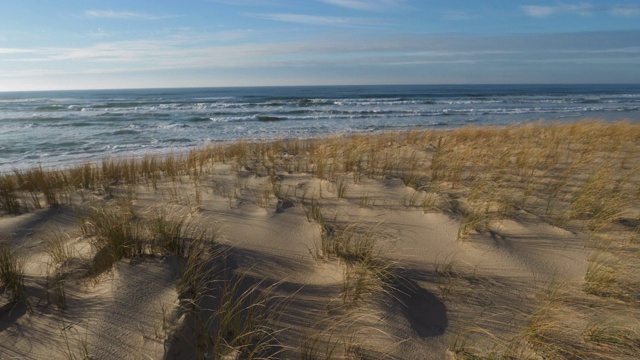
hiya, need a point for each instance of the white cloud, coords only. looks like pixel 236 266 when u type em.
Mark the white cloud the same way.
pixel 627 11
pixel 363 4
pixel 122 15
pixel 169 53
pixel 5 51
pixel 320 20
pixel 538 11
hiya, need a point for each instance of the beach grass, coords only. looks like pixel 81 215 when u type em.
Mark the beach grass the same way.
pixel 580 180
pixel 11 273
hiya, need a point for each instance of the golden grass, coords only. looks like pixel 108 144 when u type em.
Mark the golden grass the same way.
pixel 116 233
pixel 11 273
pixel 583 177
pixel 539 168
pixel 57 246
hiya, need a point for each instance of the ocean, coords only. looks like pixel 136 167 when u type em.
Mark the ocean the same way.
pixel 59 128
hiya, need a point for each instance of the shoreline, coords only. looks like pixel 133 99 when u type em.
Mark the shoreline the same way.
pixel 124 156
pixel 58 129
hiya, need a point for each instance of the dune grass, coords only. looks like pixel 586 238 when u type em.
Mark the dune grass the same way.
pixel 57 246
pixel 9 201
pixel 116 233
pixel 582 177
pixel 168 232
pixel 11 273
pixel 228 315
pixel 538 168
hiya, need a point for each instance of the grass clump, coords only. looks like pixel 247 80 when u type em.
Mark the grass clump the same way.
pixel 611 335
pixel 8 197
pixel 198 268
pixel 229 314
pixel 11 273
pixel 57 246
pixel 360 282
pixel 601 275
pixel 243 318
pixel 55 288
pixel 117 234
pixel 347 242
pixel 600 200
pixel 168 232
pixel 366 270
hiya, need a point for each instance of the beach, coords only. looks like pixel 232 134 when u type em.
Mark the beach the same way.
pixel 489 241
pixel 56 129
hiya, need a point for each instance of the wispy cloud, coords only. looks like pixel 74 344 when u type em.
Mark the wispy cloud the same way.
pixel 320 20
pixel 370 5
pixel 627 11
pixel 123 15
pixel 339 51
pixel 429 62
pixel 5 51
pixel 540 11
pixel 121 51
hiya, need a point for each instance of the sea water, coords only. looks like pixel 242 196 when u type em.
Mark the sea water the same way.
pixel 59 128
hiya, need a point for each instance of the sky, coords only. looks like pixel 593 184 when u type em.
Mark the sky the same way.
pixel 91 44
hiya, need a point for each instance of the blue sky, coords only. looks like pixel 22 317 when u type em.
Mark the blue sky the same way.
pixel 87 44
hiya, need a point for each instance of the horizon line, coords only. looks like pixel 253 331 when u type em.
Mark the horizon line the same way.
pixel 324 85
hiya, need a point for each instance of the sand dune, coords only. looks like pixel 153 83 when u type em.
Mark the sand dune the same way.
pixel 517 242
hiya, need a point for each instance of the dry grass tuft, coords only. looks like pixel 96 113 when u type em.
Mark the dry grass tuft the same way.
pixel 601 275
pixel 168 232
pixel 116 233
pixel 582 177
pixel 11 273
pixel 9 201
pixel 57 246
pixel 228 314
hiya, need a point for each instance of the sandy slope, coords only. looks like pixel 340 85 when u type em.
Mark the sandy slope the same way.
pixel 120 312
pixel 445 288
